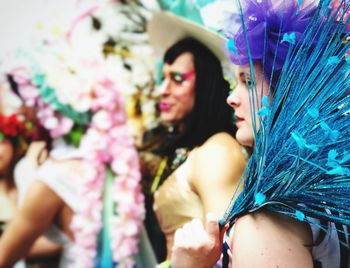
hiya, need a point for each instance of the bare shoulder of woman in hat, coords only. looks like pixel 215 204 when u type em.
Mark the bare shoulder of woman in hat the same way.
pixel 203 161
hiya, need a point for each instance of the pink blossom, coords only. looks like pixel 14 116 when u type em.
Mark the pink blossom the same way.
pixel 107 147
pixel 102 120
pixel 64 126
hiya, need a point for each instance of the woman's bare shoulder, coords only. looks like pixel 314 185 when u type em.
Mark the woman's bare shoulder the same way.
pixel 219 158
pixel 219 145
pixel 223 138
pixel 272 239
pixel 214 171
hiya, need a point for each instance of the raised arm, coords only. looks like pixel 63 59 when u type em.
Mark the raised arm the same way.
pixel 39 209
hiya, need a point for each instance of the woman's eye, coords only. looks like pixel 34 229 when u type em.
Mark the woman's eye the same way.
pixel 177 78
pixel 249 83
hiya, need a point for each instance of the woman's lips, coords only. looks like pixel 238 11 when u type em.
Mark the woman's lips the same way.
pixel 164 106
pixel 239 119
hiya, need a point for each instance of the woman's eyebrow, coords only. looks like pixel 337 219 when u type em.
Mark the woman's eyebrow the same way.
pixel 176 73
pixel 184 75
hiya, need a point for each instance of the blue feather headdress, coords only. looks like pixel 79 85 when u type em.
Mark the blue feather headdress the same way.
pixel 300 165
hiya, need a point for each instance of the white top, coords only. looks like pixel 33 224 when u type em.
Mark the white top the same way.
pixel 62 179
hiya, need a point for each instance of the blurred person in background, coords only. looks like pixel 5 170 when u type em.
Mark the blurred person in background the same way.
pixel 15 135
pixel 193 178
pixel 46 181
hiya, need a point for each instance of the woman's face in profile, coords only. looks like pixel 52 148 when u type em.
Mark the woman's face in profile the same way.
pixel 239 101
pixel 177 91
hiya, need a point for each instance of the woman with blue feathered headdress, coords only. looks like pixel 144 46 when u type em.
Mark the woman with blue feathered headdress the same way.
pixel 291 105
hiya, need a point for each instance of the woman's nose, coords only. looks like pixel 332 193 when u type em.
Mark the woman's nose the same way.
pixel 232 100
pixel 164 87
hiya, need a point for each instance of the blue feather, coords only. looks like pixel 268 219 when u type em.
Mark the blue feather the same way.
pixel 231 46
pixel 300 165
pixel 289 38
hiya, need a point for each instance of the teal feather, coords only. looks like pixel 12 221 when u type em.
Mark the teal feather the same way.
pixel 289 38
pixel 300 165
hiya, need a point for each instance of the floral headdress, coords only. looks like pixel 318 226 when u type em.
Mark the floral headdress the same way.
pixel 11 127
pixel 78 88
pixel 256 33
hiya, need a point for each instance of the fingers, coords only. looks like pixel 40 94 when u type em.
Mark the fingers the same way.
pixel 196 246
pixel 191 235
pixel 213 227
pixel 197 229
pixel 223 232
pixel 178 238
pixel 35 148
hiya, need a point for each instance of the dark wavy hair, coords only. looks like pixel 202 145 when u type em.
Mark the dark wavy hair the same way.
pixel 210 113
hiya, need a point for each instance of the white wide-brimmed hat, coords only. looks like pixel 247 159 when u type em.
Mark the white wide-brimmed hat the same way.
pixel 166 28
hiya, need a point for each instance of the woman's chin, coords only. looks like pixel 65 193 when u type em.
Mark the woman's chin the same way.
pixel 165 118
pixel 169 119
pixel 245 138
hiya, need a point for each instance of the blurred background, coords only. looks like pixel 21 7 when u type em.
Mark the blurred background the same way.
pixel 87 70
pixel 81 76
pixel 87 29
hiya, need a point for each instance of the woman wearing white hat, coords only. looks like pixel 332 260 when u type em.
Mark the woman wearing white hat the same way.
pixel 197 174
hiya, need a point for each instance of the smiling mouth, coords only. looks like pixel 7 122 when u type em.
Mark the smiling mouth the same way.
pixel 164 106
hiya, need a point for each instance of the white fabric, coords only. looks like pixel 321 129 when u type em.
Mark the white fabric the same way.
pixel 19 264
pixel 63 180
pixel 62 151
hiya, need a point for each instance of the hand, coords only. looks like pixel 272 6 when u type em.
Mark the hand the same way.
pixel 37 153
pixel 195 246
